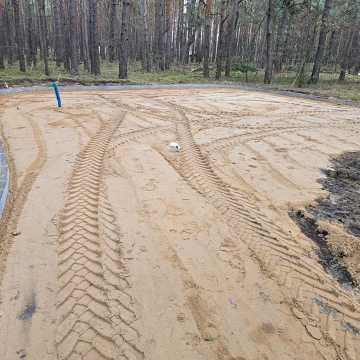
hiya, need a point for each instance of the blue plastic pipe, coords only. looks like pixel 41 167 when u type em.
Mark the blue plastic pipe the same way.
pixel 57 93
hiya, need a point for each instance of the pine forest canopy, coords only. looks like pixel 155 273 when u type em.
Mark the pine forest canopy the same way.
pixel 218 35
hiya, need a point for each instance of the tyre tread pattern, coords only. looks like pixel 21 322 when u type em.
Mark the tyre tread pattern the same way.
pixel 326 310
pixel 95 316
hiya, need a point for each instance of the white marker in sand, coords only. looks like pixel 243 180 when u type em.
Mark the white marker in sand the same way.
pixel 174 147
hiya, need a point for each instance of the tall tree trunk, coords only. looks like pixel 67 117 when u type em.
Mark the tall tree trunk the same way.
pixel 93 38
pixel 113 27
pixel 19 35
pixel 198 54
pixel 146 60
pixel 10 39
pixel 305 47
pixel 167 31
pixel 345 56
pixel 207 36
pixel 74 30
pixel 102 48
pixel 281 35
pixel 58 31
pixel 124 41
pixel 220 47
pixel 231 29
pixel 285 54
pixel 43 35
pixel 355 54
pixel 30 33
pixel 269 41
pixel 330 48
pixel 63 7
pixel 321 46
pixel 159 45
pixel 180 31
pixel 191 30
pixel 214 39
pixel 85 36
pixel 2 37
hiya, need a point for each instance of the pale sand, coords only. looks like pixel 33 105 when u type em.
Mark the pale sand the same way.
pixel 122 249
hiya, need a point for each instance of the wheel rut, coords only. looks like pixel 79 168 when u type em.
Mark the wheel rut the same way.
pixel 95 310
pixel 18 196
pixel 255 134
pixel 136 135
pixel 328 312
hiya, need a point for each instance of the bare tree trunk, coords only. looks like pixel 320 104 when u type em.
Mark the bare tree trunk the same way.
pixel 31 38
pixel 355 54
pixel 146 50
pixel 58 29
pixel 10 39
pixel 284 54
pixel 269 41
pixel 220 47
pixel 198 53
pixel 321 46
pixel 124 41
pixel 167 31
pixel 102 47
pixel 229 41
pixel 74 47
pixel 305 47
pixel 65 26
pixel 85 36
pixel 113 27
pixel 2 37
pixel 93 38
pixel 191 29
pixel 346 56
pixel 19 35
pixel 281 35
pixel 330 47
pixel 43 35
pixel 214 40
pixel 207 35
pixel 159 45
pixel 180 31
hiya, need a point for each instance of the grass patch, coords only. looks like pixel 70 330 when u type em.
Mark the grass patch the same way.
pixel 327 86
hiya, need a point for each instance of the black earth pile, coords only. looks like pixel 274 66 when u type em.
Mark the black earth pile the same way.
pixel 342 205
pixel 343 184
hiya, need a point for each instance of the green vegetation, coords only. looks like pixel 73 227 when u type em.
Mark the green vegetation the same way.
pixel 242 73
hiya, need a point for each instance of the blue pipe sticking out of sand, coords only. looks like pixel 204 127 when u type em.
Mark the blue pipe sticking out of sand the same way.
pixel 57 93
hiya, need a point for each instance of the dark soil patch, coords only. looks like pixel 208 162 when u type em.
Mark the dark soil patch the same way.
pixel 29 310
pixel 331 262
pixel 342 207
pixel 343 184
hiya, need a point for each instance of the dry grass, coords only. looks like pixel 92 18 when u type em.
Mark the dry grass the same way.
pixel 328 85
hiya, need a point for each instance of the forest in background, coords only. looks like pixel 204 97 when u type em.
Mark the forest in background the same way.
pixel 214 38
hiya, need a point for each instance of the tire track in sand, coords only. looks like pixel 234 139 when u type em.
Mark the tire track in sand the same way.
pixel 18 196
pixel 253 134
pixel 95 315
pixel 271 170
pixel 329 313
pixel 136 135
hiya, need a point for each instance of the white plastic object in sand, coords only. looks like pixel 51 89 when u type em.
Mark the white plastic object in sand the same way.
pixel 175 147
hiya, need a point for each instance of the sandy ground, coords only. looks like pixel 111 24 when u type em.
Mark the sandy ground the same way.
pixel 117 248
